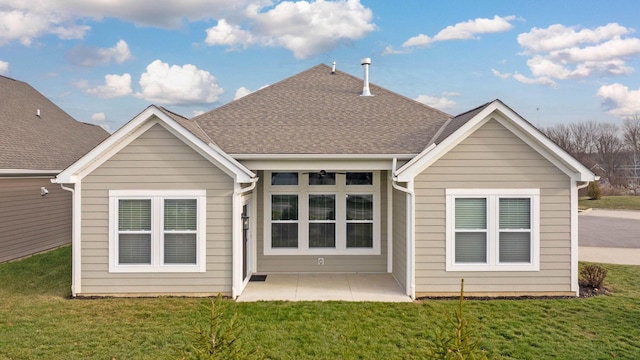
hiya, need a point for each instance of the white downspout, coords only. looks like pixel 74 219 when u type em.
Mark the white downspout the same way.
pixel 411 263
pixel 236 267
pixel 75 242
pixel 574 234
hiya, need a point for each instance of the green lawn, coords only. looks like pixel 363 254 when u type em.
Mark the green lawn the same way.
pixel 611 202
pixel 39 321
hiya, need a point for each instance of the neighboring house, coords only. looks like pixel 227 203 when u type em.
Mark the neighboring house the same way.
pixel 37 141
pixel 310 175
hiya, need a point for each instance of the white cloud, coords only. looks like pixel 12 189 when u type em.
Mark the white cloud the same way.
pixel 178 85
pixel 23 24
pixel 25 21
pixel 115 86
pixel 560 52
pixel 4 67
pixel 389 50
pixel 98 117
pixel 441 103
pixel 92 56
pixel 464 31
pixel 535 81
pixel 228 35
pixel 561 37
pixel 243 91
pixel 304 27
pixel 618 100
pixel 525 80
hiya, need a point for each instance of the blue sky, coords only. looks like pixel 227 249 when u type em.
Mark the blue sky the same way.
pixel 104 61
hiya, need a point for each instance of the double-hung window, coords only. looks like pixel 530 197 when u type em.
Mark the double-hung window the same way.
pixel 322 213
pixel 492 229
pixel 157 231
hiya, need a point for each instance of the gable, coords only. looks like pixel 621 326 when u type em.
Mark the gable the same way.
pixel 494 155
pixel 135 128
pixel 515 125
pixel 157 159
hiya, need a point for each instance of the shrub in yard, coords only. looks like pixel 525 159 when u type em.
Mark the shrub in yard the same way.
pixel 593 191
pixel 217 340
pixel 593 276
pixel 456 339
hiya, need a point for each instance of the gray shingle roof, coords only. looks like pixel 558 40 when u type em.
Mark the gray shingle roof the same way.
pixel 315 112
pixel 51 141
pixel 458 121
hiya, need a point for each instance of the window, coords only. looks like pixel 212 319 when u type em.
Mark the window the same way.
pixel 284 217
pixel 492 229
pixel 160 231
pixel 322 213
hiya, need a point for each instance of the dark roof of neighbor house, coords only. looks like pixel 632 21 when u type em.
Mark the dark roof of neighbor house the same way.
pixel 48 140
pixel 317 112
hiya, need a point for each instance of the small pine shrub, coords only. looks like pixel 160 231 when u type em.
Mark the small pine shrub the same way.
pixel 217 340
pixel 593 191
pixel 456 339
pixel 593 276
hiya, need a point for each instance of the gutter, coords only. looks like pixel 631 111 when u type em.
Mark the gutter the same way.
pixel 411 218
pixel 236 249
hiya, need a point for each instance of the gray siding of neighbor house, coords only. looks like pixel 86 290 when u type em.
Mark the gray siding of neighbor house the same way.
pixel 332 263
pixel 156 160
pixel 31 223
pixel 493 157
pixel 400 237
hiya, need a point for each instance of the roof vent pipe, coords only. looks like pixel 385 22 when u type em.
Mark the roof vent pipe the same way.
pixel 333 68
pixel 365 90
pixel 38 112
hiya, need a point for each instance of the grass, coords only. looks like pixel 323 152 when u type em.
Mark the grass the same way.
pixel 38 320
pixel 611 202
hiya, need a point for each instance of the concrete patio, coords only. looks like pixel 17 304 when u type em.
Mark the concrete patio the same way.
pixel 325 287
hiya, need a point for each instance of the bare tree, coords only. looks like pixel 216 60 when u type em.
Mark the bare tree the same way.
pixel 631 137
pixel 583 137
pixel 610 150
pixel 561 135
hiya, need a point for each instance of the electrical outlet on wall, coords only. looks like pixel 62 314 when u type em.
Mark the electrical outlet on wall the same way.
pixel 320 261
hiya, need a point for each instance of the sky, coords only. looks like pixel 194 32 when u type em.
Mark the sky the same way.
pixel 104 61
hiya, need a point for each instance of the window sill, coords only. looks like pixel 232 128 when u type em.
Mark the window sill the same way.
pixel 157 269
pixel 486 267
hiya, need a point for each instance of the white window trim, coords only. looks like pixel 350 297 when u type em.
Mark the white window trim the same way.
pixel 340 190
pixel 157 199
pixel 493 229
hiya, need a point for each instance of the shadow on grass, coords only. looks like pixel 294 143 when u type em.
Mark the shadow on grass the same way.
pixel 47 274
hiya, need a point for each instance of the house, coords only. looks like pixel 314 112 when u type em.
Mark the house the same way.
pixel 324 172
pixel 37 141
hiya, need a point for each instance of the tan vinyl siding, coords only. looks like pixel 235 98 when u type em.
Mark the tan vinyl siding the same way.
pixel 31 223
pixel 493 157
pixel 332 263
pixel 400 237
pixel 156 160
